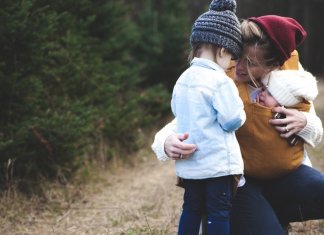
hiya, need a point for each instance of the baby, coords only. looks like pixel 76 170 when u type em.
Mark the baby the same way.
pixel 294 90
pixel 281 89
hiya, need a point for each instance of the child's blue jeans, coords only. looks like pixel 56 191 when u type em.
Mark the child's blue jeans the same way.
pixel 211 195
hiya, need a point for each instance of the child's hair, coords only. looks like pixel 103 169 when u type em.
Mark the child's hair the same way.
pixel 197 49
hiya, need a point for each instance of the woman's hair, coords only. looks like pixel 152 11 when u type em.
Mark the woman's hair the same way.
pixel 252 35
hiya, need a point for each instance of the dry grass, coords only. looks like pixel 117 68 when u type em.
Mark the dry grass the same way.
pixel 141 199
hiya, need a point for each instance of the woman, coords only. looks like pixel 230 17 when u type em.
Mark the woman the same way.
pixel 266 207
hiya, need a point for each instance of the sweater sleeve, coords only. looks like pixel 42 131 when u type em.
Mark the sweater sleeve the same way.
pixel 313 131
pixel 160 137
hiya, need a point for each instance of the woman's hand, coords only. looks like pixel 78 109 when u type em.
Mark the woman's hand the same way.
pixel 294 121
pixel 176 149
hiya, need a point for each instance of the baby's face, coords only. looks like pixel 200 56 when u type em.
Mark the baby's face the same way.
pixel 266 99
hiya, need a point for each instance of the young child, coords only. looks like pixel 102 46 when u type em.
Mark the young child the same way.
pixel 207 105
pixel 288 88
pixel 291 89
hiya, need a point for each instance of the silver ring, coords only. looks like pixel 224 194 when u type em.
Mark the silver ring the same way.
pixel 180 155
pixel 286 129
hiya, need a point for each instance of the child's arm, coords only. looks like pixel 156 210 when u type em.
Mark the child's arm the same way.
pixel 229 106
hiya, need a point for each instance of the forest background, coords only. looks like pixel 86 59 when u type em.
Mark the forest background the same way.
pixel 81 80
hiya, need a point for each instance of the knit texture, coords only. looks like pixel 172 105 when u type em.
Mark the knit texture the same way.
pixel 291 87
pixel 219 26
pixel 159 139
pixel 313 131
pixel 285 33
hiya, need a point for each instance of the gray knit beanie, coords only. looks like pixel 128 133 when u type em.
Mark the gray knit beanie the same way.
pixel 219 26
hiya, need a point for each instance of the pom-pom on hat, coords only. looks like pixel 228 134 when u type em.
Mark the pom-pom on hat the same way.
pixel 290 87
pixel 285 33
pixel 219 26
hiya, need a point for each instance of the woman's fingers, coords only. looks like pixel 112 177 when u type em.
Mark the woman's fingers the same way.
pixel 183 136
pixel 176 149
pixel 294 121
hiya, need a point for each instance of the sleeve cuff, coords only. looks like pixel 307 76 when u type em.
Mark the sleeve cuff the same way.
pixel 159 140
pixel 313 131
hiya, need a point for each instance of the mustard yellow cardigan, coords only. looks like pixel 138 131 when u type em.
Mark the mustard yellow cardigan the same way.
pixel 266 155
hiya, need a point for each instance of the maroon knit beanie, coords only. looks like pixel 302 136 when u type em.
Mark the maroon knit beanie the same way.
pixel 285 32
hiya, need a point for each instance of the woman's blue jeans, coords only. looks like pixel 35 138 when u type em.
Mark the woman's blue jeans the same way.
pixel 213 195
pixel 267 207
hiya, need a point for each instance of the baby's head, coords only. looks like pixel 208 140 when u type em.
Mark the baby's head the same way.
pixel 288 88
pixel 219 27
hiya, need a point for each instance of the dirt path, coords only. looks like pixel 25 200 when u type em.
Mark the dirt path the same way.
pixel 140 200
pixel 130 201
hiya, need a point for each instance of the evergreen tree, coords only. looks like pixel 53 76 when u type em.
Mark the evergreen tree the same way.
pixel 78 74
pixel 165 29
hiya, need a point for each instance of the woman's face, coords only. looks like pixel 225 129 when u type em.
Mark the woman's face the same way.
pixel 250 64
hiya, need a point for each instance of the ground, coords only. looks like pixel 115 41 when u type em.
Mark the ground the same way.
pixel 129 200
